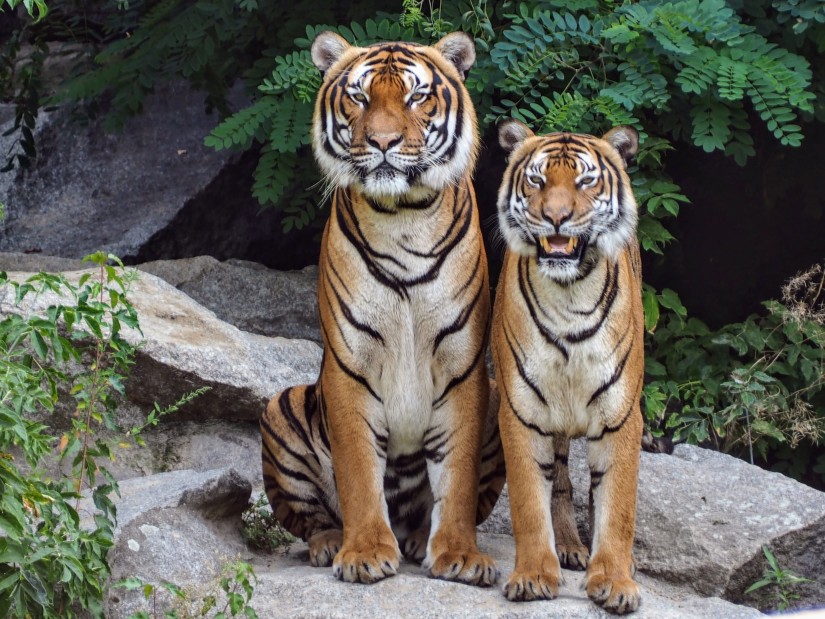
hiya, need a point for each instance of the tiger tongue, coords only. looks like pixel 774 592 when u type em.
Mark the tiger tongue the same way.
pixel 558 244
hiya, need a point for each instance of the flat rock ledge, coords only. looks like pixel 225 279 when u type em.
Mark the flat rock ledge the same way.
pixel 172 528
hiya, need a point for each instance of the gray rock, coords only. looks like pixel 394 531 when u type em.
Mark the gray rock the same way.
pixel 185 346
pixel 196 445
pixel 34 263
pixel 248 295
pixel 112 191
pixel 165 534
pixel 703 517
pixel 177 527
pixel 214 494
pixel 245 294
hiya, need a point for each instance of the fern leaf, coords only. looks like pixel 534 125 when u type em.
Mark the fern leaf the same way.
pixel 732 78
pixel 711 125
pixel 273 175
pixel 241 128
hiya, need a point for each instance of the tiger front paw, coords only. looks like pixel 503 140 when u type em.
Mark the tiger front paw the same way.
pixel 323 547
pixel 469 567
pixel 573 556
pixel 526 586
pixel 619 596
pixel 366 565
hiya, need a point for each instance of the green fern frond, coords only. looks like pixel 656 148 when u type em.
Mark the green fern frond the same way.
pixel 711 124
pixel 273 174
pixel 290 125
pixel 239 130
pixel 294 71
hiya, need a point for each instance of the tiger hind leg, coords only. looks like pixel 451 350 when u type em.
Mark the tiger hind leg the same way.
pixel 572 553
pixel 492 474
pixel 297 472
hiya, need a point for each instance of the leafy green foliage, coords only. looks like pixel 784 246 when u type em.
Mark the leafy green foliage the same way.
pixel 755 388
pixel 51 565
pixel 784 580
pixel 37 9
pixel 229 596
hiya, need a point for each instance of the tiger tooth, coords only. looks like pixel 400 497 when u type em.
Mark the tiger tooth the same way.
pixel 571 245
pixel 575 241
pixel 545 244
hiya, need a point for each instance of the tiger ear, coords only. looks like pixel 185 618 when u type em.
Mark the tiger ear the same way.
pixel 511 134
pixel 625 140
pixel 327 48
pixel 459 49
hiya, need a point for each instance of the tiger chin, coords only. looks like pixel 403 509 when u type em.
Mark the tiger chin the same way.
pixel 567 342
pixel 395 450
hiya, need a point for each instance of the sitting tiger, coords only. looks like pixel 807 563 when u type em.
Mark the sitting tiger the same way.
pixel 568 348
pixel 395 448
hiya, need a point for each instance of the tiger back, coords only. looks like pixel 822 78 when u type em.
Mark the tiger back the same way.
pixel 395 449
pixel 568 348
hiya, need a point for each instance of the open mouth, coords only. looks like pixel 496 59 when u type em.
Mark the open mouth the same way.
pixel 558 247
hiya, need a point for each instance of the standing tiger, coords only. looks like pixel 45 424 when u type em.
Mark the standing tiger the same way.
pixel 568 348
pixel 395 448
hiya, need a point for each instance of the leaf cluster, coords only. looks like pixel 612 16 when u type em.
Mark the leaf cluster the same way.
pixel 229 596
pixel 755 388
pixel 71 361
pixel 260 529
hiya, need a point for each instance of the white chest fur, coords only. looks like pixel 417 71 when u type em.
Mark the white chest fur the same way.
pixel 571 341
pixel 406 283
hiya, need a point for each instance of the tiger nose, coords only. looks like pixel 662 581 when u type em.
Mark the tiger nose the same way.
pixel 557 216
pixel 384 141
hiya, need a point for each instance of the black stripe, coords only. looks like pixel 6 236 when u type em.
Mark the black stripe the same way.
pixel 617 373
pixel 345 309
pixel 530 302
pixel 610 429
pixel 575 338
pixel 457 380
pixel 349 372
pixel 461 320
pixel 521 369
pixel 527 424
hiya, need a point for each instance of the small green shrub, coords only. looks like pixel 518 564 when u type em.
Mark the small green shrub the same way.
pixel 228 596
pixel 784 581
pixel 755 388
pixel 51 563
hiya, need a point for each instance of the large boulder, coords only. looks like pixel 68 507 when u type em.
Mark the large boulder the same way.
pixel 245 294
pixel 185 346
pixel 91 190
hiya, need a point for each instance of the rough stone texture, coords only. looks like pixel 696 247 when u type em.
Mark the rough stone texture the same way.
pixel 33 263
pixel 703 517
pixel 185 346
pixel 215 494
pixel 245 294
pixel 284 593
pixel 178 527
pixel 167 531
pixel 248 295
pixel 112 191
pixel 196 445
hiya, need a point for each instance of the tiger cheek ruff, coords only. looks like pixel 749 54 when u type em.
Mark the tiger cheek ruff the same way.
pixel 394 450
pixel 567 342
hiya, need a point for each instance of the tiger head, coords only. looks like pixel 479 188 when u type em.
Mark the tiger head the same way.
pixel 566 198
pixel 394 119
